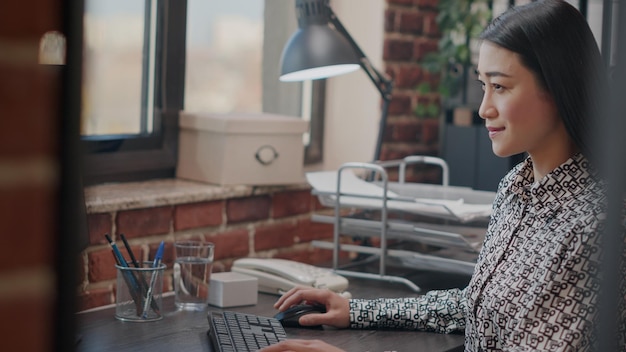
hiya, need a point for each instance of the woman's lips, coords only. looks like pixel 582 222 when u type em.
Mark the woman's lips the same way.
pixel 493 131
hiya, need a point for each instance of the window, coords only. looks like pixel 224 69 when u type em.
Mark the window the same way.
pixel 132 88
pixel 136 55
pixel 232 68
pixel 224 56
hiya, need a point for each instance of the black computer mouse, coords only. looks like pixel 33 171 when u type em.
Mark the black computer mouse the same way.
pixel 290 317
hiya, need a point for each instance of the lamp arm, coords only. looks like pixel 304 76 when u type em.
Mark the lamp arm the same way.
pixel 382 83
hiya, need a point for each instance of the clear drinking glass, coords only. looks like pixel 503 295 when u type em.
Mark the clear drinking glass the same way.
pixel 193 263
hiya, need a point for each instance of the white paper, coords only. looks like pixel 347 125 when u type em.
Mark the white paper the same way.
pixel 326 182
pixel 356 190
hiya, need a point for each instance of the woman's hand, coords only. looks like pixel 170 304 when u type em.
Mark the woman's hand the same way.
pixel 337 307
pixel 301 346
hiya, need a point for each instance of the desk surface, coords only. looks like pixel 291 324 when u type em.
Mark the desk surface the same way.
pixel 186 331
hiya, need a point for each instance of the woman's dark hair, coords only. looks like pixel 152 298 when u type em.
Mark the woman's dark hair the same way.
pixel 554 41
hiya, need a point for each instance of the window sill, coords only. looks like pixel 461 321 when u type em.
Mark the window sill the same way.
pixel 154 193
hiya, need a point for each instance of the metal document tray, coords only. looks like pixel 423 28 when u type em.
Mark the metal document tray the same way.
pixel 449 217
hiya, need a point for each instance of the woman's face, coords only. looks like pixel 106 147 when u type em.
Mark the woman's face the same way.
pixel 519 114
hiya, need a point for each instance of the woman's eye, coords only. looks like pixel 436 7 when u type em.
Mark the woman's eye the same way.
pixel 497 87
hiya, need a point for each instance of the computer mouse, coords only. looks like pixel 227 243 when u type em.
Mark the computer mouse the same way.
pixel 290 317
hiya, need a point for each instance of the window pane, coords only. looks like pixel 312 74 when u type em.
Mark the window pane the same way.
pixel 114 67
pixel 224 56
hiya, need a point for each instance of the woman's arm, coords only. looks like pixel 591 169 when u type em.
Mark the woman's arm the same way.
pixel 440 311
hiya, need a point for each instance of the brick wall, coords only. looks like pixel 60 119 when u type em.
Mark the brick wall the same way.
pixel 275 224
pixel 410 33
pixel 29 173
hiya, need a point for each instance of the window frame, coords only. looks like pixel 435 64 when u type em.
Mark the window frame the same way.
pixel 120 158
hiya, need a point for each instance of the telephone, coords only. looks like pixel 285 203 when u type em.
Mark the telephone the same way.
pixel 278 276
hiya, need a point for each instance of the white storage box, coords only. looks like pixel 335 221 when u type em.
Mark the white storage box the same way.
pixel 230 289
pixel 252 149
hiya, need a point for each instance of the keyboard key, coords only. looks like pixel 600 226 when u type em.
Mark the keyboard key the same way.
pixel 234 331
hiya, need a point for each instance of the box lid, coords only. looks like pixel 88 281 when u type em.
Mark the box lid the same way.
pixel 243 123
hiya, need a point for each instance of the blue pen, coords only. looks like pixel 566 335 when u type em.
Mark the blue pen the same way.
pixel 116 251
pixel 155 265
pixel 133 285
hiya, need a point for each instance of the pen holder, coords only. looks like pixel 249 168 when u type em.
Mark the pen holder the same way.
pixel 139 293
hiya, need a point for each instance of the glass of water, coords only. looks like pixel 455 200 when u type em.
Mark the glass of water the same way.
pixel 193 262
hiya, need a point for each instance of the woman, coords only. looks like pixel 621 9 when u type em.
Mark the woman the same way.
pixel 534 285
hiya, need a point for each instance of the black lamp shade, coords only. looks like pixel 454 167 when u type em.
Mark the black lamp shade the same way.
pixel 316 51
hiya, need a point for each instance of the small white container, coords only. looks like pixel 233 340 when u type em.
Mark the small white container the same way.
pixel 231 289
pixel 236 148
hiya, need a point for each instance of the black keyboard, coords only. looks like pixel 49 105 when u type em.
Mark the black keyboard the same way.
pixel 240 332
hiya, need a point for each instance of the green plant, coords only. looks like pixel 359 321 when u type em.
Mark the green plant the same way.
pixel 459 21
pixel 430 107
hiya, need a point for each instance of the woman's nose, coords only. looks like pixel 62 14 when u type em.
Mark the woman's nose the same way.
pixel 486 109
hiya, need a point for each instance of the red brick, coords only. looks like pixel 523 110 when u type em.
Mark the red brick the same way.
pixel 188 216
pixel 138 252
pixel 406 131
pixel 408 76
pixel 411 22
pixel 400 2
pixel 423 47
pixel 96 297
pixel 144 222
pixel 430 25
pixel 391 154
pixel 397 50
pixel 168 252
pixel 30 231
pixel 387 137
pixel 433 78
pixel 427 4
pixel 317 205
pixel 248 209
pixel 400 105
pixel 424 174
pixel 291 203
pixel 430 98
pixel 308 231
pixel 230 244
pixel 29 325
pixel 430 131
pixel 101 264
pixel 274 236
pixel 390 18
pixel 98 225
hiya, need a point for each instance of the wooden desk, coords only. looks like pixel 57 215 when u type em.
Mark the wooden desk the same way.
pixel 183 331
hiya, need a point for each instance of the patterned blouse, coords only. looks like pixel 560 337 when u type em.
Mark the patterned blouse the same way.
pixel 533 284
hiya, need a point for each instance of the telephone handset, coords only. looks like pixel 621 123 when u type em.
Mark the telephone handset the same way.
pixel 278 276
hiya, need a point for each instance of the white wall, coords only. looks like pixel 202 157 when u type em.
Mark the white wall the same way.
pixel 352 101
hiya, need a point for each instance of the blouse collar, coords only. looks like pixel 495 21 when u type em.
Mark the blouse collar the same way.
pixel 564 182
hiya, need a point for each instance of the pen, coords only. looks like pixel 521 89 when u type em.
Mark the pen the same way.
pixel 143 285
pixel 133 286
pixel 130 252
pixel 116 251
pixel 155 265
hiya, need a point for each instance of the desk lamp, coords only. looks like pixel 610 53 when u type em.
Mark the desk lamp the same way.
pixel 322 48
